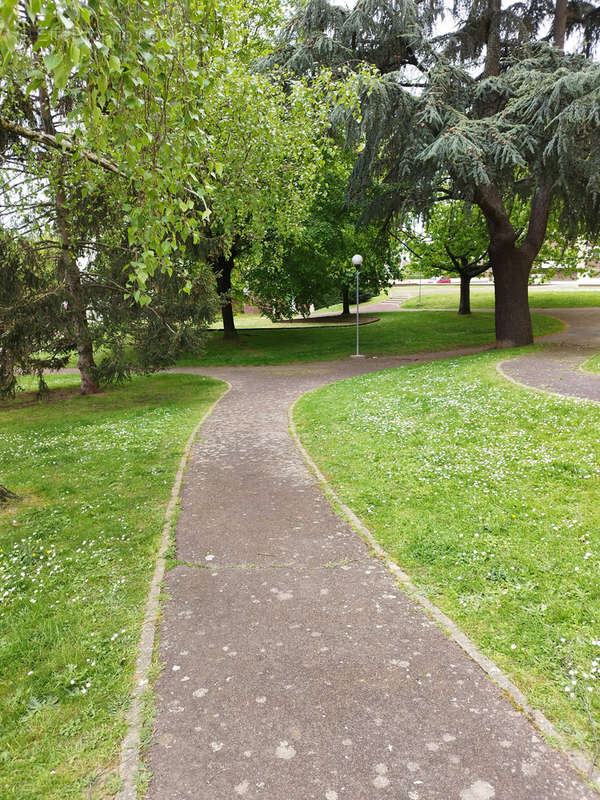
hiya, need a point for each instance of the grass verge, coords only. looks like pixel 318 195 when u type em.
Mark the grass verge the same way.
pixel 395 333
pixel 483 297
pixel 486 493
pixel 77 554
pixel 592 364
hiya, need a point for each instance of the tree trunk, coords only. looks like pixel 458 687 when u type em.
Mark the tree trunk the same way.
pixel 492 57
pixel 77 306
pixel 560 24
pixel 511 268
pixel 345 301
pixel 225 267
pixel 511 265
pixel 6 495
pixel 464 306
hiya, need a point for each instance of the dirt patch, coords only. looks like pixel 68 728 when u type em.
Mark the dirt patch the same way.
pixel 340 320
pixel 23 399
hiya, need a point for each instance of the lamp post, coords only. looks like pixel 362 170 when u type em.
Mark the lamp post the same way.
pixel 357 260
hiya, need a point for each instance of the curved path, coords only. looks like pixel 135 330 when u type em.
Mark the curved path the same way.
pixel 294 667
pixel 555 367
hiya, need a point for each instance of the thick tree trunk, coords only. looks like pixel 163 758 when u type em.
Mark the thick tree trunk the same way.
pixel 511 267
pixel 492 57
pixel 345 300
pixel 464 305
pixel 224 270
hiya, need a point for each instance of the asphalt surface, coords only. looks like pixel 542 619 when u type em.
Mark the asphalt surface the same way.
pixel 294 666
pixel 556 367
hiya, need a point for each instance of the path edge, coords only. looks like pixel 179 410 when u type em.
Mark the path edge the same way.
pixel 563 396
pixel 578 760
pixel 129 763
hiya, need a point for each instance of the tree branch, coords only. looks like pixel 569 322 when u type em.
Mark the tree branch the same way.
pixel 63 145
pixel 498 222
pixel 538 217
pixel 452 257
pixel 66 145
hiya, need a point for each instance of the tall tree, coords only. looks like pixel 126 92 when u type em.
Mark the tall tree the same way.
pixel 103 102
pixel 486 115
pixel 313 266
pixel 267 141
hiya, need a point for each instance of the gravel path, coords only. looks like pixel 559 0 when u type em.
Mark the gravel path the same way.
pixel 294 667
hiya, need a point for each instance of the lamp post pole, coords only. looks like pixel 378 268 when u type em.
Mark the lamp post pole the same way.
pixel 357 260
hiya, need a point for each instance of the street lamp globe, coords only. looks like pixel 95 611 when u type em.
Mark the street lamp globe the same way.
pixel 357 260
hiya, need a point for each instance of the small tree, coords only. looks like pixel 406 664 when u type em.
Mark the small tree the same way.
pixel 454 240
pixel 34 334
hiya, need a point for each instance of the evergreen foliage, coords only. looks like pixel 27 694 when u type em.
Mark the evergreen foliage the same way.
pixel 38 331
pixel 34 333
pixel 490 114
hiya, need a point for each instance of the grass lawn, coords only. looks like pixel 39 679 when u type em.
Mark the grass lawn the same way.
pixel 592 364
pixel 395 333
pixel 487 494
pixel 76 557
pixel 483 297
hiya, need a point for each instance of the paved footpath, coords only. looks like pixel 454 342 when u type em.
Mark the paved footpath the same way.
pixel 294 667
pixel 555 368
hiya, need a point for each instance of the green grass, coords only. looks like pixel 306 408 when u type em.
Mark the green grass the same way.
pixel 483 297
pixel 243 321
pixel 339 306
pixel 487 494
pixel 77 553
pixel 592 364
pixel 395 333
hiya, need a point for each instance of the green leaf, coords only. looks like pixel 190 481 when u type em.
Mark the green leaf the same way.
pixel 8 41
pixel 74 53
pixel 7 9
pixel 34 84
pixel 66 21
pixel 61 73
pixel 52 60
pixel 34 7
pixel 102 82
